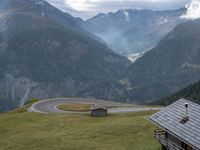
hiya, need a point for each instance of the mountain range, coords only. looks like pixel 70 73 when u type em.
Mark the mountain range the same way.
pixel 172 65
pixel 47 53
pixel 131 31
pixel 44 53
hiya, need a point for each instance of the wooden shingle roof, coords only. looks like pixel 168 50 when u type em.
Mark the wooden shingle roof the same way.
pixel 169 119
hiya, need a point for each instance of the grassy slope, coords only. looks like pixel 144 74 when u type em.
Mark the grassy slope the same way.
pixel 22 131
pixel 75 107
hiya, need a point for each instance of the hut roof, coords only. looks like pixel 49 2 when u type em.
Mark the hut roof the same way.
pixel 170 118
pixel 98 107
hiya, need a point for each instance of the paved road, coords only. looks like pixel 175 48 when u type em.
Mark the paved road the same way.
pixel 49 106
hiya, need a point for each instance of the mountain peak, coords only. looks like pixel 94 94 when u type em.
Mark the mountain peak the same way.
pixel 137 30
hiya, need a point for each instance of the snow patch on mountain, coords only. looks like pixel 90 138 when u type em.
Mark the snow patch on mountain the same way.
pixel 127 16
pixel 1 15
pixel 191 66
pixel 102 16
pixel 134 56
pixel 163 21
pixel 3 20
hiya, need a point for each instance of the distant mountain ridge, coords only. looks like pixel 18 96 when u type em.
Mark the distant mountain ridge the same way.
pixel 132 31
pixel 44 53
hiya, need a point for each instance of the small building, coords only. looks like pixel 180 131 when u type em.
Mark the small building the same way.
pixel 99 111
pixel 178 126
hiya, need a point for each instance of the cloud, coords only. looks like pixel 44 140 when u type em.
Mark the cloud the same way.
pixel 193 10
pixel 89 8
pixel 81 5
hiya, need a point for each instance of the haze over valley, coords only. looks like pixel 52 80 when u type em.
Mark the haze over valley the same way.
pixel 99 74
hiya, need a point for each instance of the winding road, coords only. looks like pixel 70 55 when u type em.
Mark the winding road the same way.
pixel 50 106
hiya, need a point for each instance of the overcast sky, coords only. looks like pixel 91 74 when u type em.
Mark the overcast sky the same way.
pixel 88 8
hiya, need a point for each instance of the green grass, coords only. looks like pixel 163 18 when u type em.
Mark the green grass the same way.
pixel 32 131
pixel 25 107
pixel 79 107
pixel 31 102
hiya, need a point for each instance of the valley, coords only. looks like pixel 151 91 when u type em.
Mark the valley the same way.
pixel 128 31
pixel 128 55
pixel 118 80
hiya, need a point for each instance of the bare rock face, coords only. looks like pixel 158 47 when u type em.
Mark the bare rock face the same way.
pixel 17 90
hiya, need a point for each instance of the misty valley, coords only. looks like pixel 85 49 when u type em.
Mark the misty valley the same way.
pixel 99 74
pixel 135 56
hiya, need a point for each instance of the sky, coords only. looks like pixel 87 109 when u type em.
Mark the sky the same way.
pixel 88 8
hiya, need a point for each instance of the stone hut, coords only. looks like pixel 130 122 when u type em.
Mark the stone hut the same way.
pixel 99 111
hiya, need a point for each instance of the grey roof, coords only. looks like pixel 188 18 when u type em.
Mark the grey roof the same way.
pixel 99 107
pixel 169 118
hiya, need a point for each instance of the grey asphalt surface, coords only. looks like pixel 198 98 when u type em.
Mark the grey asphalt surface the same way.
pixel 50 106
